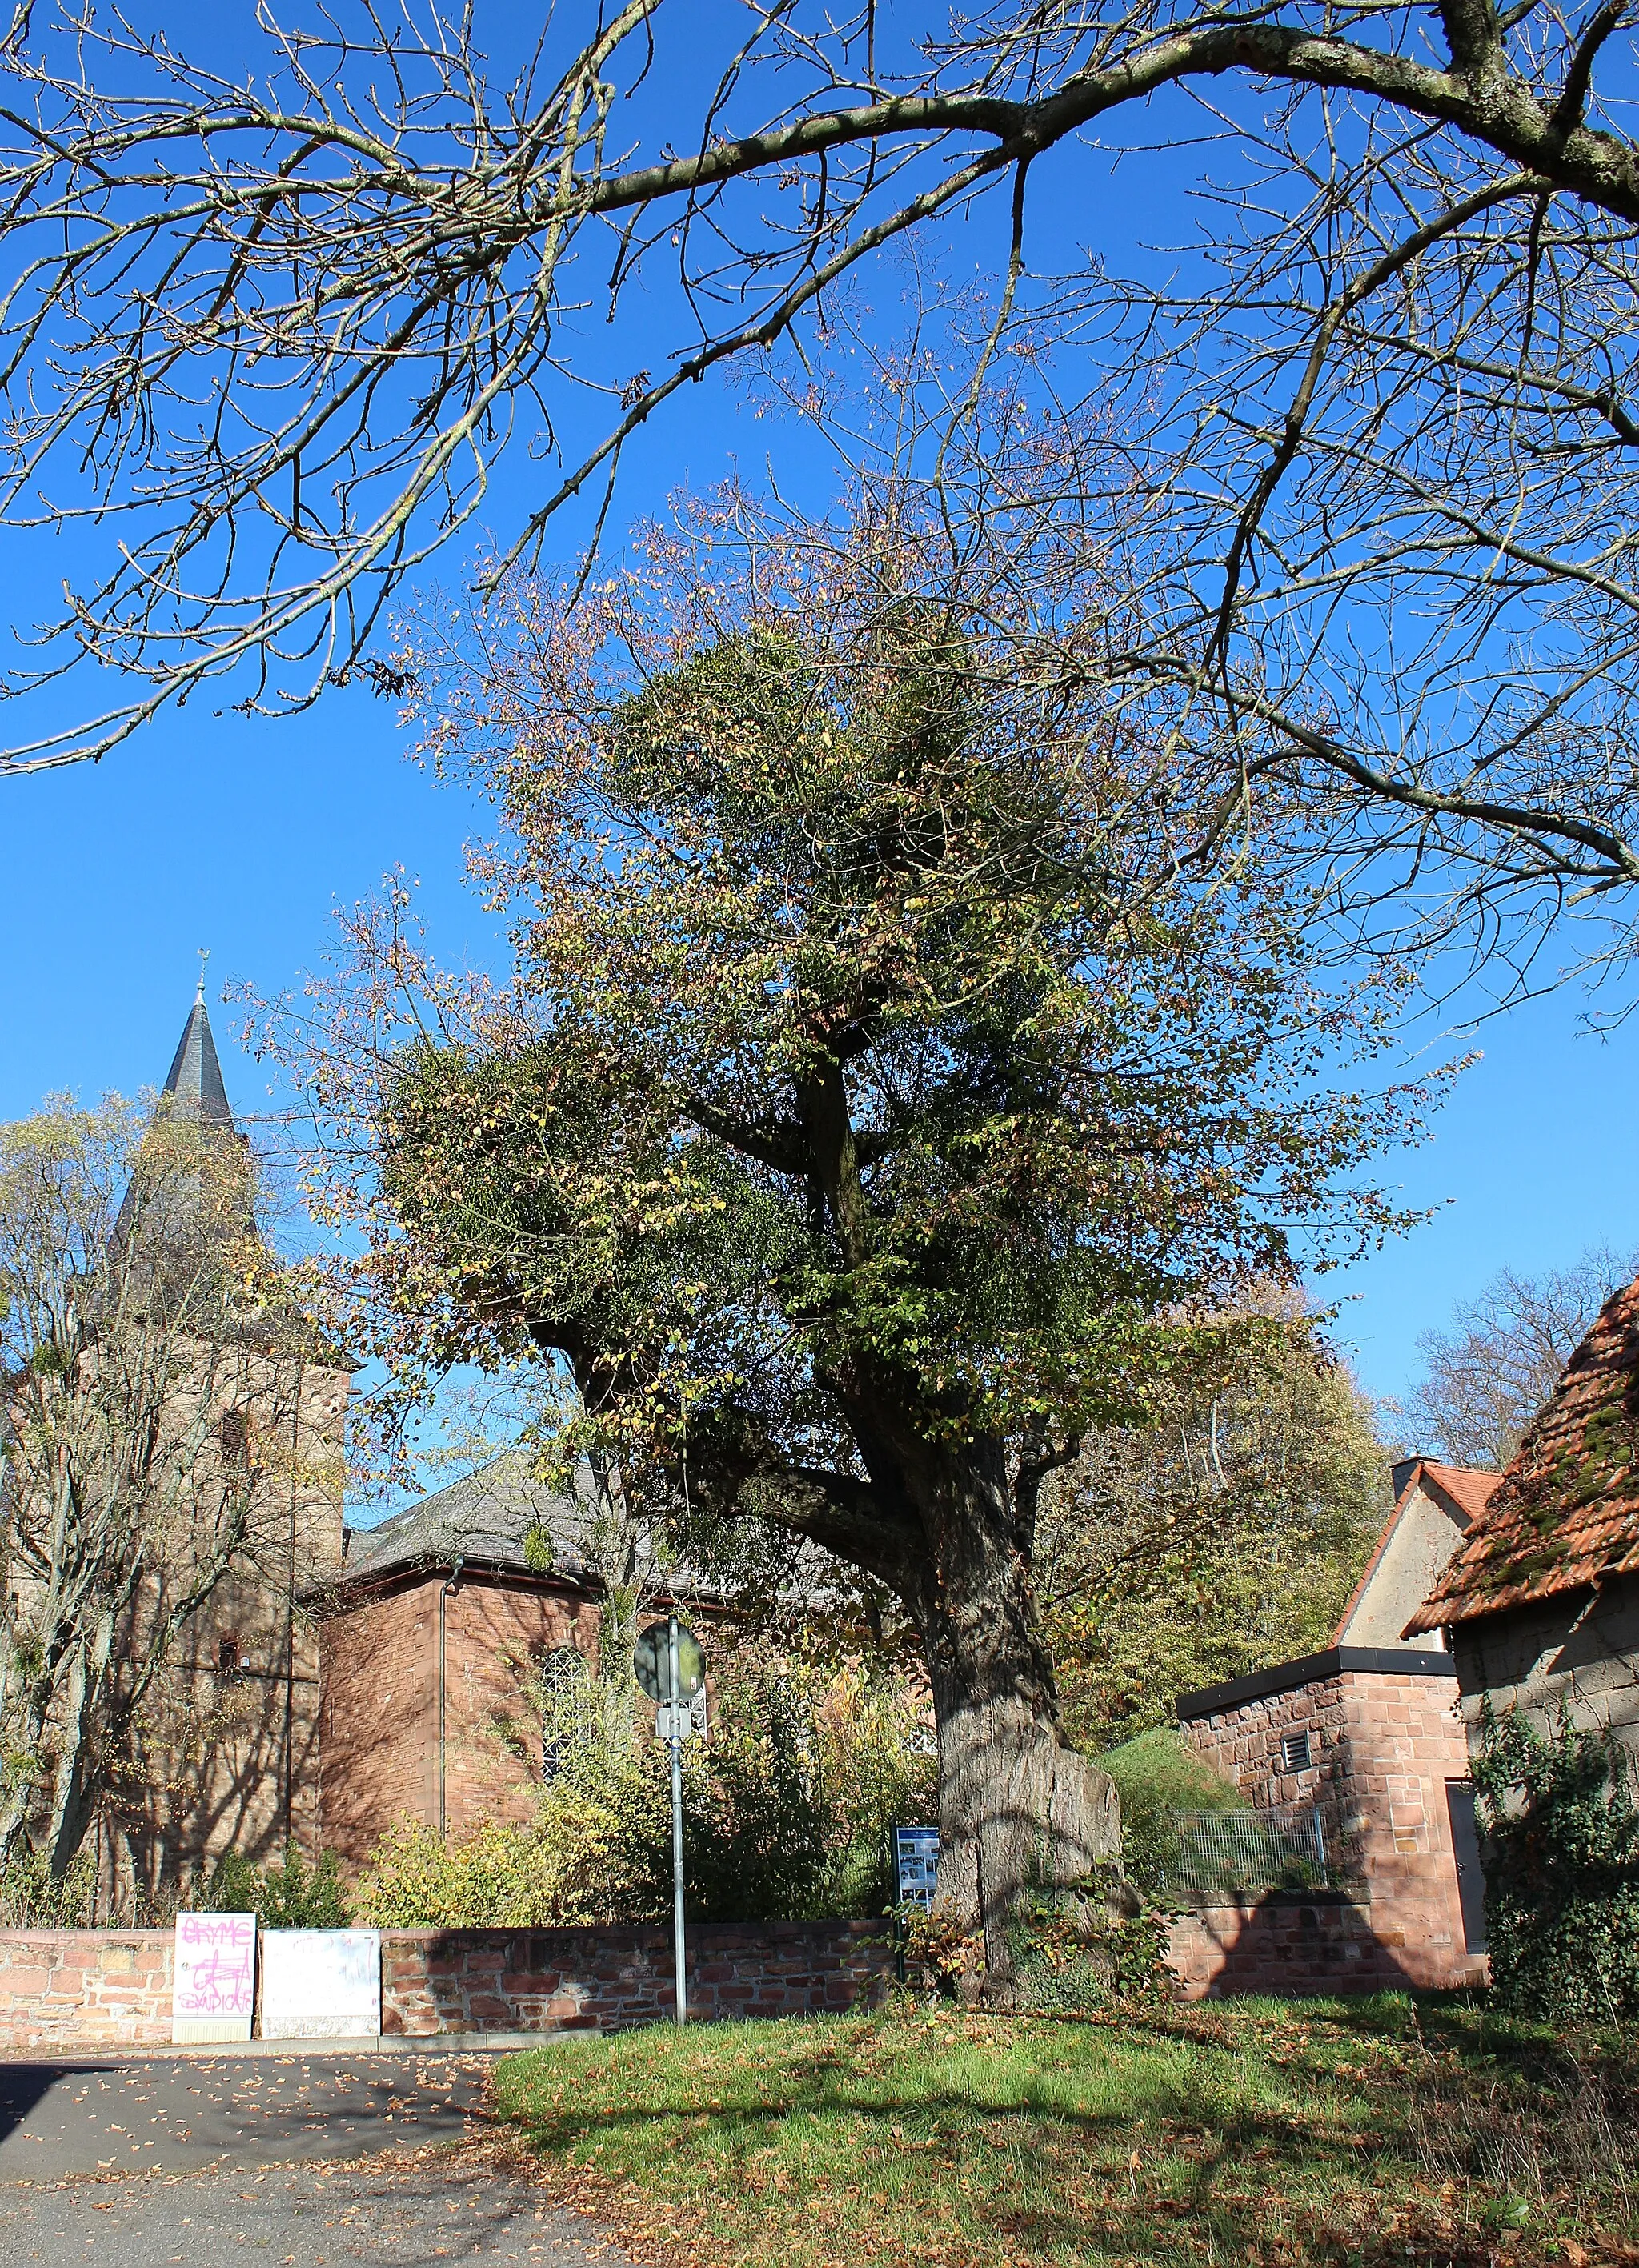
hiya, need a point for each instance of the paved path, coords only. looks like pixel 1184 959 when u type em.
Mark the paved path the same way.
pixel 173 2113
pixel 307 2163
pixel 420 2211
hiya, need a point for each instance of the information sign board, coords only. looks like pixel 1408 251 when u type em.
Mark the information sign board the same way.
pixel 320 1984
pixel 916 1865
pixel 213 1982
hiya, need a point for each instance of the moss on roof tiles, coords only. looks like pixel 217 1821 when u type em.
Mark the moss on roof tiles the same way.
pixel 1568 1505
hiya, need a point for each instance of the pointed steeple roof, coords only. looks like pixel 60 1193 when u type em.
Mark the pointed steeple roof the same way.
pixel 195 1080
pixel 193 1095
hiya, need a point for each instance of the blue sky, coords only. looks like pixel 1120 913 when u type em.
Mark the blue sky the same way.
pixel 243 835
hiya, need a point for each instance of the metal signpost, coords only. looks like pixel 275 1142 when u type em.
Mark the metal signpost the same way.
pixel 671 1668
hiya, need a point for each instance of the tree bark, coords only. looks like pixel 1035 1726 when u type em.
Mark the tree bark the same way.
pixel 1019 1807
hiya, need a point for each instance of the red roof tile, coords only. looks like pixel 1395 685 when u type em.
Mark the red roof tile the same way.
pixel 1566 1512
pixel 1469 1487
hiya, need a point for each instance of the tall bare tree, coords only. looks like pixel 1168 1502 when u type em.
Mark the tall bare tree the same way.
pixel 1488 1372
pixel 270 329
pixel 147 1387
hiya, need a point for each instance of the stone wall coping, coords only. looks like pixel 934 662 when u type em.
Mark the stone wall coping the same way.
pixel 1314 1670
pixel 109 1934
pixel 645 1933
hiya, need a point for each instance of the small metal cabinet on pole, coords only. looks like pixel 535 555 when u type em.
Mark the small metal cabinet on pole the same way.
pixel 671 1667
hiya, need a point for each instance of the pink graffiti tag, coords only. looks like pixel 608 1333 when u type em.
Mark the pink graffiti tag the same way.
pixel 215 1965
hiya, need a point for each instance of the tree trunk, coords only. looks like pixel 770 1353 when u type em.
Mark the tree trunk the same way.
pixel 1020 1808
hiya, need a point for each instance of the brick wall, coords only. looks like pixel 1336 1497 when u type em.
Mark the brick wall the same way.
pixel 380 1720
pixel 499 1980
pixel 496 1637
pixel 1384 1744
pixel 69 1989
pixel 1284 1944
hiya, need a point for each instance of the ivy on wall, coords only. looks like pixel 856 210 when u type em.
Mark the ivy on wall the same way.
pixel 1561 1848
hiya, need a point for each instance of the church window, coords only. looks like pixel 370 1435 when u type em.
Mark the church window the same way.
pixel 562 1684
pixel 234 1432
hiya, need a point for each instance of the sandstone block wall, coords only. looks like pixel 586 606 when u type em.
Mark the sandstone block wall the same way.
pixel 228 1757
pixel 1384 1745
pixel 548 1980
pixel 1285 1945
pixel 1578 1652
pixel 67 1989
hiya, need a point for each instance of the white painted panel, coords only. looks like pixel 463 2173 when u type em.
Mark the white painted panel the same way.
pixel 320 1984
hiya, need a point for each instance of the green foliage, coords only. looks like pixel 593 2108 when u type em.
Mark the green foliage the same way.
pixel 852 1060
pixel 1561 1870
pixel 755 1824
pixel 1222 1537
pixel 1070 1962
pixel 293 1895
pixel 32 1897
pixel 1157 1775
pixel 496 1878
pixel 785 1813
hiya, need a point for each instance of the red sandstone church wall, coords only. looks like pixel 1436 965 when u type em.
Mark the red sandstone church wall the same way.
pixel 497 1637
pixel 379 1725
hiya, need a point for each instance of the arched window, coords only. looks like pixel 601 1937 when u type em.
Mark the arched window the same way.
pixel 562 1682
pixel 234 1434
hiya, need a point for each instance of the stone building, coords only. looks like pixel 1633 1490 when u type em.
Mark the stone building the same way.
pixel 437 1630
pixel 222 1752
pixel 1368 1735
pixel 439 1633
pixel 1540 1607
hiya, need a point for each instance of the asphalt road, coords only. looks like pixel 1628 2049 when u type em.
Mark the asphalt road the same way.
pixel 173 2114
pixel 432 2209
pixel 194 2161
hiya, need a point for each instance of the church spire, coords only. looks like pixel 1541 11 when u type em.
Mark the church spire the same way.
pixel 194 1080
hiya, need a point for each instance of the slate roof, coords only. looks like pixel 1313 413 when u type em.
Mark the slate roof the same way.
pixel 195 1080
pixel 1566 1512
pixel 484 1518
pixel 194 1094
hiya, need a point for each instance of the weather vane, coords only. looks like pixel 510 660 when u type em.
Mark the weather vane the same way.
pixel 204 955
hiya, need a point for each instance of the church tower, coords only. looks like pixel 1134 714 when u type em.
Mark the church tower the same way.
pixel 223 1755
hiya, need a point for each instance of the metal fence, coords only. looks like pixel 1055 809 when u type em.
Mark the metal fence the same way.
pixel 1218 1851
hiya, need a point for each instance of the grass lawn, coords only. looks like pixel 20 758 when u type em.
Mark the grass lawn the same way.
pixel 1277 2134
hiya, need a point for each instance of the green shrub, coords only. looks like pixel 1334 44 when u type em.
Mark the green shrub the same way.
pixel 32 1897
pixel 786 1810
pixel 1157 1777
pixel 497 1878
pixel 291 1897
pixel 1561 1852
